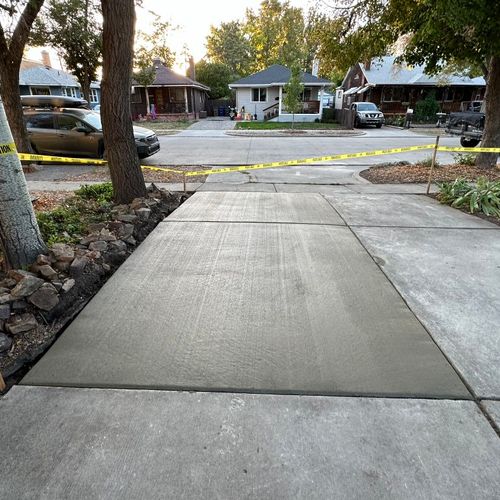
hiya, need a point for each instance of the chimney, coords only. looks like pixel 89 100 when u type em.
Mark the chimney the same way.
pixel 368 64
pixel 46 59
pixel 192 69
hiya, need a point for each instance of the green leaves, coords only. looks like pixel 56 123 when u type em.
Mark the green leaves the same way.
pixel 483 197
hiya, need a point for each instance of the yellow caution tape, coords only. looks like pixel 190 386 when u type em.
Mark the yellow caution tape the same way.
pixel 10 148
pixel 305 161
pixel 469 150
pixel 60 159
pixel 7 149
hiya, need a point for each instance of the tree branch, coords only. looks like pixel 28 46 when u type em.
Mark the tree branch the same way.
pixel 22 30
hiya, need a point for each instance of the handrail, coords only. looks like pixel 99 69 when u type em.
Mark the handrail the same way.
pixel 272 106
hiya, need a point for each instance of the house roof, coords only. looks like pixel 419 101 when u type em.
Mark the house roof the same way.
pixel 384 71
pixel 32 73
pixel 277 75
pixel 166 77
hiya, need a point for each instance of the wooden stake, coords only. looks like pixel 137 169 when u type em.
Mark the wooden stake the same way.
pixel 184 181
pixel 2 383
pixel 433 162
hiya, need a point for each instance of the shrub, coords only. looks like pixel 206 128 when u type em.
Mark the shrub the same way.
pixel 328 115
pixel 103 193
pixel 483 197
pixel 425 110
pixel 396 120
pixel 467 159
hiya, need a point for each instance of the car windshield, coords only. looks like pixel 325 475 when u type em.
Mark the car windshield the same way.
pixel 93 119
pixel 367 106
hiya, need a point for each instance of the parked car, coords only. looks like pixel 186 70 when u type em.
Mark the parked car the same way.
pixel 63 126
pixel 367 113
pixel 469 125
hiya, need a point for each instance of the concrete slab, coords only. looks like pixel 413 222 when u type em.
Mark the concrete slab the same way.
pixel 311 188
pixel 300 208
pixel 401 210
pixel 115 444
pixel 279 308
pixel 493 408
pixel 450 279
pixel 241 188
pixel 391 188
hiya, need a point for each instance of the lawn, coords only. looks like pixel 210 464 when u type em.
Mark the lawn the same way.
pixel 286 125
pixel 163 127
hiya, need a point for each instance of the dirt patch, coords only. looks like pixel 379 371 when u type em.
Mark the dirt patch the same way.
pixel 48 200
pixel 101 174
pixel 404 173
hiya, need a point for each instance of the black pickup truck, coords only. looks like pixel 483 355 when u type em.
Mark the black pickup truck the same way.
pixel 469 125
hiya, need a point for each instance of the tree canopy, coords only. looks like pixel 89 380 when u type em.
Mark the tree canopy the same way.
pixel 217 76
pixel 74 29
pixel 154 44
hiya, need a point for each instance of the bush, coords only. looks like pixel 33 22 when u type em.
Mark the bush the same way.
pixel 425 110
pixel 483 197
pixel 103 193
pixel 467 159
pixel 396 120
pixel 328 115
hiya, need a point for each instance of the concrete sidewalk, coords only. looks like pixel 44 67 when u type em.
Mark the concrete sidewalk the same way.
pixel 273 301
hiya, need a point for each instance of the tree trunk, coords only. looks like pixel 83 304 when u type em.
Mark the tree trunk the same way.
pixel 121 151
pixel 491 135
pixel 147 101
pixel 9 92
pixel 19 233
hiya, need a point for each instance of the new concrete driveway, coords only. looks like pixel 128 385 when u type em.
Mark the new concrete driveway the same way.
pixel 298 341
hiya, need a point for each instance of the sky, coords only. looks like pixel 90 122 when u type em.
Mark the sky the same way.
pixel 193 18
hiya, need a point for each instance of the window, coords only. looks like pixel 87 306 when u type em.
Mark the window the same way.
pixel 136 95
pixel 94 97
pixel 259 95
pixel 40 90
pixel 40 120
pixel 392 94
pixel 68 122
pixel 69 91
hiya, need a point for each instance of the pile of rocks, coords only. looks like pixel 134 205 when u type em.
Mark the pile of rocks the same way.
pixel 69 274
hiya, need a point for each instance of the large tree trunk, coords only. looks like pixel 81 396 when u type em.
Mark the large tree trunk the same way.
pixel 491 135
pixel 9 91
pixel 19 234
pixel 118 41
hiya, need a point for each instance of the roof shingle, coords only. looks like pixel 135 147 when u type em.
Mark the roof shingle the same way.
pixel 277 74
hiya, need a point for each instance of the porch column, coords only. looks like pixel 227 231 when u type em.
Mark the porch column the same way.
pixel 279 102
pixel 321 102
pixel 186 99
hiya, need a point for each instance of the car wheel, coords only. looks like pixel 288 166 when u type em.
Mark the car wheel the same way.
pixel 101 152
pixel 467 142
pixel 356 123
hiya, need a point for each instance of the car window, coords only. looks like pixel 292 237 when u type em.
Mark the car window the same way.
pixel 40 120
pixel 367 106
pixel 68 122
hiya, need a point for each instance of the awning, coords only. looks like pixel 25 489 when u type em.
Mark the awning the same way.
pixel 362 90
pixel 352 90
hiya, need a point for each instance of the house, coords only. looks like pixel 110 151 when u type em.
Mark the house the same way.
pixel 174 96
pixel 397 87
pixel 261 94
pixel 40 78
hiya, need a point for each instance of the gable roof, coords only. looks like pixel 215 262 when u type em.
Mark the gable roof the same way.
pixel 169 78
pixel 383 71
pixel 33 73
pixel 277 75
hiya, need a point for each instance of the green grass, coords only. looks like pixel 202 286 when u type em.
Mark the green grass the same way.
pixel 286 126
pixel 164 128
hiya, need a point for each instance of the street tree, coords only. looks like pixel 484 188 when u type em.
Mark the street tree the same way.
pixel 217 76
pixel 439 34
pixel 15 24
pixel 154 44
pixel 118 54
pixel 228 44
pixel 19 233
pixel 74 29
pixel 292 98
pixel 145 77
